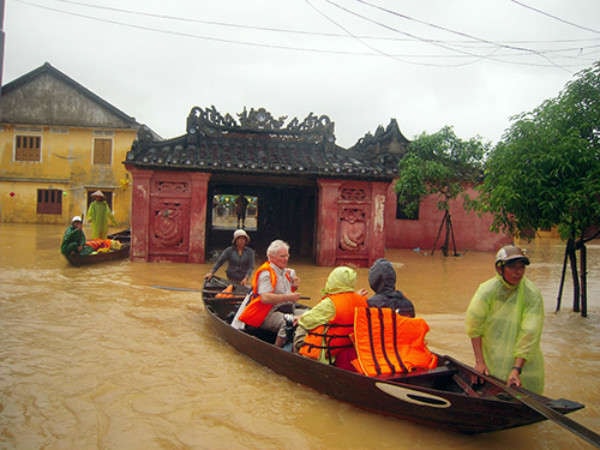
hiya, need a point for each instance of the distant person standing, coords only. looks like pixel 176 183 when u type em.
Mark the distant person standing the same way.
pixel 241 205
pixel 239 258
pixel 504 321
pixel 99 214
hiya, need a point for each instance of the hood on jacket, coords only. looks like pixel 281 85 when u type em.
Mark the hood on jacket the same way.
pixel 382 276
pixel 340 279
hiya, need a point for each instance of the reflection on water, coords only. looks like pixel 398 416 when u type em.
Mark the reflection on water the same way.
pixel 96 357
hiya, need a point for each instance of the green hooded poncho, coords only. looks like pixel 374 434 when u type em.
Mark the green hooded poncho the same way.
pixel 341 279
pixel 99 214
pixel 509 320
pixel 72 239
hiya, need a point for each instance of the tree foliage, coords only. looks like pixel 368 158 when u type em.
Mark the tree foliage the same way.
pixel 438 164
pixel 546 169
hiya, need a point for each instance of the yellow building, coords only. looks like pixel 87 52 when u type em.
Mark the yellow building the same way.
pixel 59 142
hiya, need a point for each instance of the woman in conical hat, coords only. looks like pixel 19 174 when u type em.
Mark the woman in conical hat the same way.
pixel 99 214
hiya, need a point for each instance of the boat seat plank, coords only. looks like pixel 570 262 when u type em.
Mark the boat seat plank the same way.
pixel 421 374
pixel 465 386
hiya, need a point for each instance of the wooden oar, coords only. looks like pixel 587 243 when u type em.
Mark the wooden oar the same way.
pixel 524 397
pixel 527 399
pixel 172 288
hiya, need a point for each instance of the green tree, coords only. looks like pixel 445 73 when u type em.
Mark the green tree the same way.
pixel 439 164
pixel 546 172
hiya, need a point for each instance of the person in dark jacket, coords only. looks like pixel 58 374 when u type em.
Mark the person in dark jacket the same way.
pixel 382 279
pixel 74 239
pixel 239 258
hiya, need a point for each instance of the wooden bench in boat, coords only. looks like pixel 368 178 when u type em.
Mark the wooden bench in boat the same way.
pixel 421 375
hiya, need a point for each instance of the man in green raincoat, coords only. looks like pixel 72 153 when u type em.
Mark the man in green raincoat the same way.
pixel 504 321
pixel 99 214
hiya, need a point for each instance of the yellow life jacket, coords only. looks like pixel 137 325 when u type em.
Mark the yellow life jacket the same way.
pixel 387 343
pixel 324 342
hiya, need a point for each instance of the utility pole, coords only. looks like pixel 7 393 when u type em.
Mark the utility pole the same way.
pixel 1 42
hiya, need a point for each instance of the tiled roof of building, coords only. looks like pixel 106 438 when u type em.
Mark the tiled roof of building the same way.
pixel 258 143
pixel 48 69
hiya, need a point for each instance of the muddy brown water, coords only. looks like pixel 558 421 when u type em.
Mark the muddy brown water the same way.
pixel 99 357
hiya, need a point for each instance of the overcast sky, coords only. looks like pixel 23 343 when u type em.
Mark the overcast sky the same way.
pixel 470 64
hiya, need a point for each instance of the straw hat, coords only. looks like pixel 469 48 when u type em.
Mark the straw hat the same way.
pixel 98 194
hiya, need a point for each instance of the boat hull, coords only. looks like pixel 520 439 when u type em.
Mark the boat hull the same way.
pixel 84 260
pixel 431 398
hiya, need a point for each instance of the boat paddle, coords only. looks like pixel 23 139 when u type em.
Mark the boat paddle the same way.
pixel 171 288
pixel 184 289
pixel 529 400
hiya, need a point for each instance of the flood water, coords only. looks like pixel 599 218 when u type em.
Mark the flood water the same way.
pixel 103 357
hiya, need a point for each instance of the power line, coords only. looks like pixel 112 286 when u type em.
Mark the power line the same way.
pixel 555 17
pixel 272 46
pixel 296 31
pixel 195 36
pixel 349 33
pixel 460 33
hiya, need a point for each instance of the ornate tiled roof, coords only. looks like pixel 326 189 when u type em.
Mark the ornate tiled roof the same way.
pixel 258 143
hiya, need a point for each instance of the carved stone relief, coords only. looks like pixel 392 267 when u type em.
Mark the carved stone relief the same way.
pixel 166 226
pixel 171 187
pixel 352 229
pixel 353 194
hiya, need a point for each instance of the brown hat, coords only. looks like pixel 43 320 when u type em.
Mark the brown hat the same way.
pixel 98 194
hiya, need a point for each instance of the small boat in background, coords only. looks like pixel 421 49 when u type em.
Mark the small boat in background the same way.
pixel 124 238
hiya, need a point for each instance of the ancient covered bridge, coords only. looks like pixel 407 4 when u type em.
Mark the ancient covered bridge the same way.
pixel 328 202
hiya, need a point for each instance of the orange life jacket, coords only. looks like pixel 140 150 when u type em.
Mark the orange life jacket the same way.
pixel 226 293
pixel 334 336
pixel 97 244
pixel 387 343
pixel 257 310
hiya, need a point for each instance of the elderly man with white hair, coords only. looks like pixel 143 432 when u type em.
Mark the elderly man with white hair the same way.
pixel 273 293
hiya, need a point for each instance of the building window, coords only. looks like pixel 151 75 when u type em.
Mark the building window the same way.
pixel 102 151
pixel 403 213
pixel 49 201
pixel 28 148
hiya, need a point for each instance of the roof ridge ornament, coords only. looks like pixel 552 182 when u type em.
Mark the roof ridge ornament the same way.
pixel 209 122
pixel 260 119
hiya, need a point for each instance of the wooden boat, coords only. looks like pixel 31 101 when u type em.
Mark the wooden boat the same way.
pixel 442 397
pixel 82 260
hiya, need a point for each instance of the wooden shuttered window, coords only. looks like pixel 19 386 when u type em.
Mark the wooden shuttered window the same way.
pixel 28 148
pixel 49 201
pixel 102 151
